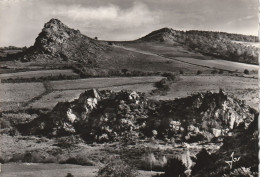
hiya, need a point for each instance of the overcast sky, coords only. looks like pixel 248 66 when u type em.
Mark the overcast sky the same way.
pixel 22 20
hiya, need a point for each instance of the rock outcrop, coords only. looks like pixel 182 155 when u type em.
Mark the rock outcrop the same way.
pixel 238 156
pixel 58 42
pixel 109 116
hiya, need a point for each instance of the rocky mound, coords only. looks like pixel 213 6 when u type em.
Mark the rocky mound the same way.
pixel 238 156
pixel 108 116
pixel 59 42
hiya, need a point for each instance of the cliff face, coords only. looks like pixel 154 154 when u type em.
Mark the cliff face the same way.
pixel 108 116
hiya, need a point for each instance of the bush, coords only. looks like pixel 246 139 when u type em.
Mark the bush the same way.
pixel 32 157
pixel 4 124
pixel 175 168
pixel 117 168
pixel 163 84
pixel 221 71
pixel 214 72
pixel 181 72
pixel 246 71
pixel 69 175
pixel 170 76
pixel 151 163
pixel 78 160
pixel 199 72
pixel 204 159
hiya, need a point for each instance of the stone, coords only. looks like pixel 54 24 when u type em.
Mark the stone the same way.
pixel 216 132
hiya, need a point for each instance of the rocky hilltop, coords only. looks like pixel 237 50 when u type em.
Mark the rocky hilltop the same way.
pixel 59 42
pixel 100 116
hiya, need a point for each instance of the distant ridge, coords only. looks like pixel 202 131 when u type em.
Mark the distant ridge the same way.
pixel 59 43
pixel 163 34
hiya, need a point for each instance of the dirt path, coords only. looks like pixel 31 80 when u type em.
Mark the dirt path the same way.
pixel 48 89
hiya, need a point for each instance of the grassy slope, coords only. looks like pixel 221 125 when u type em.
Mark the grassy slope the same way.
pixel 179 52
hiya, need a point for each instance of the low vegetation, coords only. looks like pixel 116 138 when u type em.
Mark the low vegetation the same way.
pixel 117 168
pixel 39 79
pixel 164 84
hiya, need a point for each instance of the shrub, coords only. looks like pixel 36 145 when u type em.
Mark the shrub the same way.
pixel 214 72
pixel 117 168
pixel 32 157
pixel 170 76
pixel 199 72
pixel 151 163
pixel 4 124
pixel 181 72
pixel 78 160
pixel 242 172
pixel 246 71
pixel 204 159
pixel 186 159
pixel 69 175
pixel 163 84
pixel 221 71
pixel 175 168
pixel 124 71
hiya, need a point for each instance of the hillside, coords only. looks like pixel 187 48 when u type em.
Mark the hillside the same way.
pixel 62 47
pixel 57 43
pixel 216 44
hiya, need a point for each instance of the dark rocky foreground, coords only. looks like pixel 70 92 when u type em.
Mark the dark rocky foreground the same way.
pixel 106 116
pixel 102 116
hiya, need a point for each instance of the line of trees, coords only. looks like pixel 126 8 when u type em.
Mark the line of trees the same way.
pixel 221 45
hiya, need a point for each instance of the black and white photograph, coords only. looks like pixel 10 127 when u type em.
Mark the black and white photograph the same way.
pixel 129 88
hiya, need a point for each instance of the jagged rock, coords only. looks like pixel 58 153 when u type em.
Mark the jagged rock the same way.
pixel 216 132
pixel 243 146
pixel 57 42
pixel 109 116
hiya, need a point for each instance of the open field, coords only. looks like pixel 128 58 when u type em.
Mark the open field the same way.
pixel 34 94
pixel 50 100
pixel 43 170
pixel 20 92
pixel 57 170
pixel 101 82
pixel 15 95
pixel 222 64
pixel 240 87
pixel 39 73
